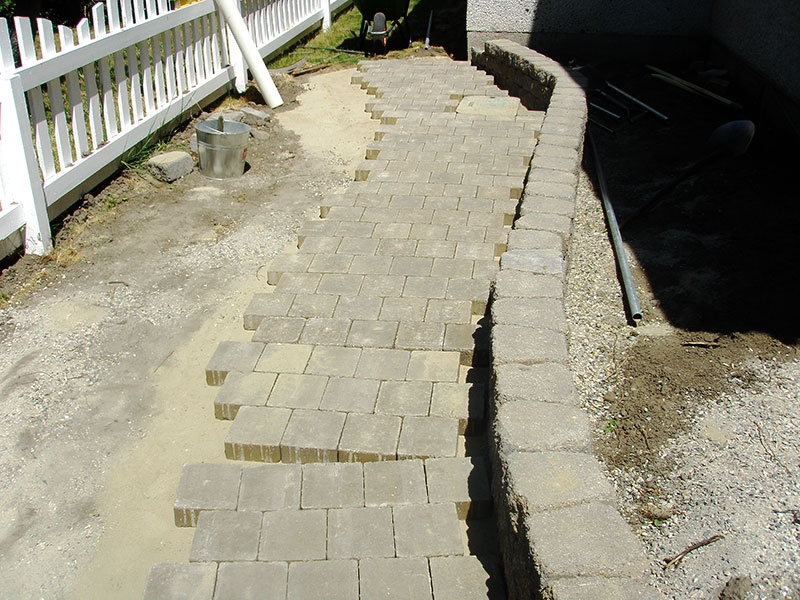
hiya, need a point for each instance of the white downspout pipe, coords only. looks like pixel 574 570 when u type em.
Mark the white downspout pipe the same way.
pixel 250 52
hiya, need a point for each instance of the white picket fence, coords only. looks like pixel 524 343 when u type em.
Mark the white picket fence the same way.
pixel 72 104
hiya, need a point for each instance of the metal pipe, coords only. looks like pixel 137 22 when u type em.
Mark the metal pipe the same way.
pixel 647 107
pixel 616 239
pixel 604 110
pixel 249 51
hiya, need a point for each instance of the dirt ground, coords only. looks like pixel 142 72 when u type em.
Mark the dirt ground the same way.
pixel 695 409
pixel 105 342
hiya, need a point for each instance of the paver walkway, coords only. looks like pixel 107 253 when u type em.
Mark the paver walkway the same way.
pixel 364 380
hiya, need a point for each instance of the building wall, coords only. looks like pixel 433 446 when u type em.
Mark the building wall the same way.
pixel 765 36
pixel 632 17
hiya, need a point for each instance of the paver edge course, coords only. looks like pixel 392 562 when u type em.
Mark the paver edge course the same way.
pixel 542 83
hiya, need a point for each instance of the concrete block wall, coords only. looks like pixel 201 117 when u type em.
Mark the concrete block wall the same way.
pixel 561 535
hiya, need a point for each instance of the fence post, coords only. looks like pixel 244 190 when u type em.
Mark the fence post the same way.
pixel 326 15
pixel 20 170
pixel 235 54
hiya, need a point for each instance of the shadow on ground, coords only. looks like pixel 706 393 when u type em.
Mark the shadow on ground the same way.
pixel 720 253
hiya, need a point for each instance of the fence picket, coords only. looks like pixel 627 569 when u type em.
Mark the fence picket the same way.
pixel 169 64
pixel 180 59
pixel 208 63
pixel 138 10
pixel 6 53
pixel 147 76
pixel 215 35
pixel 120 81
pixel 188 48
pixel 158 67
pixel 163 7
pixel 223 39
pixel 77 117
pixel 59 117
pixel 152 11
pixel 107 91
pixel 198 51
pixel 41 132
pixel 90 86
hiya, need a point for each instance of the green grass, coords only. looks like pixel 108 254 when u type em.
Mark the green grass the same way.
pixel 342 34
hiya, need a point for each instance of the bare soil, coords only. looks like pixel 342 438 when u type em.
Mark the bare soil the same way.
pixel 104 343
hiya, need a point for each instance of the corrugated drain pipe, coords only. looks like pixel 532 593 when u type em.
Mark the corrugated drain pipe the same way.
pixel 631 298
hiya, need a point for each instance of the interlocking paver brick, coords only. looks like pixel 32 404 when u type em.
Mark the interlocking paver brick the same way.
pixel 250 580
pixel 322 243
pixel 204 486
pixel 330 579
pixel 390 247
pixel 288 535
pixel 333 360
pixel 425 437
pixel 266 305
pixel 427 530
pixel 371 265
pixel 194 581
pixel 385 364
pixel 313 305
pixel 452 267
pixel 278 329
pixel 394 482
pixel 411 265
pixel 358 246
pixel 340 284
pixel 383 285
pixel 433 366
pixel 225 535
pixel 242 389
pixel 270 487
pixel 395 579
pixel 466 578
pixel 425 287
pixel 325 331
pixel 358 307
pixel 284 358
pixel 403 309
pixel 463 481
pixel 346 394
pixel 330 263
pixel 404 398
pixel 463 401
pixel 372 334
pixel 287 263
pixel 413 335
pixel 336 485
pixel 312 436
pixel 362 532
pixel 240 357
pixel 255 434
pixel 448 311
pixel 369 437
pixel 297 283
pixel 292 390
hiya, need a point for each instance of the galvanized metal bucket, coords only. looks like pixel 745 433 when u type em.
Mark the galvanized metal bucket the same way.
pixel 222 152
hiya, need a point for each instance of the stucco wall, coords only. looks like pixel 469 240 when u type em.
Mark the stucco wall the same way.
pixel 689 18
pixel 764 35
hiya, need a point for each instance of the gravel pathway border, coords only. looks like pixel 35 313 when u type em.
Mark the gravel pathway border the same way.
pixel 561 534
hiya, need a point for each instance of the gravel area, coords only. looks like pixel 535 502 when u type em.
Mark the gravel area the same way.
pixel 726 463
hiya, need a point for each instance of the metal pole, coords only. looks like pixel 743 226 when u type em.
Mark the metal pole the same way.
pixel 250 53
pixel 428 35
pixel 616 239
pixel 647 107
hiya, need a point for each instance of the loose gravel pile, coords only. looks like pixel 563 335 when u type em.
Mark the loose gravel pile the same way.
pixel 731 464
